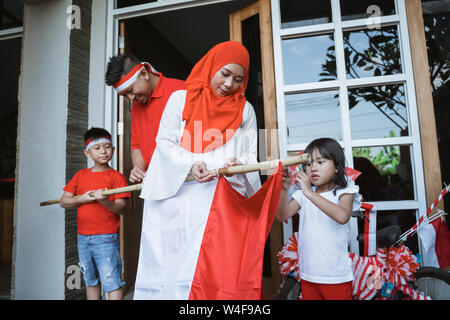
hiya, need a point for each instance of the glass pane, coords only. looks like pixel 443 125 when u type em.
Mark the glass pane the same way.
pixel 296 13
pixel 11 14
pixel 436 19
pixel 360 9
pixel 378 112
pixel 405 219
pixel 313 115
pixel 386 173
pixel 308 59
pixel 372 52
pixel 129 3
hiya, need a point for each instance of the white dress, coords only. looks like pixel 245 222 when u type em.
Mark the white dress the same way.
pixel 176 212
pixel 322 242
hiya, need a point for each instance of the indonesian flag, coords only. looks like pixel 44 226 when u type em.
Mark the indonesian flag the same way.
pixel 435 239
pixel 370 230
pixel 213 249
pixel 230 262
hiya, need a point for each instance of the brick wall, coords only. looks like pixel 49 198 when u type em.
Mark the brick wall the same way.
pixel 77 124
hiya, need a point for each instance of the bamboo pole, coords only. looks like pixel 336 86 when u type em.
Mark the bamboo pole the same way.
pixel 244 168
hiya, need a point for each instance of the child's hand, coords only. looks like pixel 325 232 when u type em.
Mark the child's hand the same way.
pixel 230 163
pixel 98 195
pixel 305 182
pixel 86 198
pixel 287 179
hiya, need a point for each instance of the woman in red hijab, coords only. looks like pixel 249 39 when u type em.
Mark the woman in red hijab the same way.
pixel 215 96
pixel 209 125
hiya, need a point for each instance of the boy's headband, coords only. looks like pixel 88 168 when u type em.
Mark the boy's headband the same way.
pixel 91 142
pixel 131 76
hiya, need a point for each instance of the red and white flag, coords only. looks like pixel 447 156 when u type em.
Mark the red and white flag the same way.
pixel 370 230
pixel 230 261
pixel 208 247
pixel 435 239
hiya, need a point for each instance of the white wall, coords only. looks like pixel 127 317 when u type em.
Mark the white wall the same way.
pixel 38 261
pixel 98 64
pixel 97 67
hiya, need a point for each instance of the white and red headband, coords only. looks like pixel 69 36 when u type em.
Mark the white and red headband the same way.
pixel 131 76
pixel 91 142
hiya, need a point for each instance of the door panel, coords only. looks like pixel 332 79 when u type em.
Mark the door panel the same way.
pixel 261 93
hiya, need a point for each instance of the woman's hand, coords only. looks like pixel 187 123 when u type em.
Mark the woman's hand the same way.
pixel 200 172
pixel 230 163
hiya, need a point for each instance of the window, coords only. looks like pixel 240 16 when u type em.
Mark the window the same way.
pixel 11 14
pixel 345 72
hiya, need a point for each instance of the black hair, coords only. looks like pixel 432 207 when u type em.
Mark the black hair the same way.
pixel 94 133
pixel 330 149
pixel 118 66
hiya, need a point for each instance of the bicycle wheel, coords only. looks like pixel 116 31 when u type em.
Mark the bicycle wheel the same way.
pixel 290 290
pixel 433 282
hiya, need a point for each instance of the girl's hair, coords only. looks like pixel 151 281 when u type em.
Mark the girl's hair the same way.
pixel 330 149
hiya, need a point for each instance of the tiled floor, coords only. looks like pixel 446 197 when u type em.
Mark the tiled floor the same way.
pixel 5 281
pixel 5 284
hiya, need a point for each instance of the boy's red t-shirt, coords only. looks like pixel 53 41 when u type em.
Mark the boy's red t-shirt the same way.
pixel 94 218
pixel 145 118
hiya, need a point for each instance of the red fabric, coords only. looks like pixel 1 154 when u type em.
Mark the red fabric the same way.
pixel 325 291
pixel 216 113
pixel 230 261
pixel 442 245
pixel 94 218
pixel 145 119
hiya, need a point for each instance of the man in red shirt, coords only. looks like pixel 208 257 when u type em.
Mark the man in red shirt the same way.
pixel 149 91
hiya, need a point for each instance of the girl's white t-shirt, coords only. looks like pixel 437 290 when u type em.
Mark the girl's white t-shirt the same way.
pixel 322 242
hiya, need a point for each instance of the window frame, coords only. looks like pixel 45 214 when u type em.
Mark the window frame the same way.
pixel 342 85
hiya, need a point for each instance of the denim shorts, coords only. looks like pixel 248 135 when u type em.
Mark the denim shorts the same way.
pixel 100 260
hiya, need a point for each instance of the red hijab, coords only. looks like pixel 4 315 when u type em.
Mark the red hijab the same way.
pixel 219 114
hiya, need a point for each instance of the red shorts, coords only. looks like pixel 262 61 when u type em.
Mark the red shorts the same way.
pixel 324 291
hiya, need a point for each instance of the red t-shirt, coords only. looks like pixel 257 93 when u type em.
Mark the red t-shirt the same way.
pixel 94 218
pixel 145 119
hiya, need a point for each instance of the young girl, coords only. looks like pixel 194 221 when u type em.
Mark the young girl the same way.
pixel 326 201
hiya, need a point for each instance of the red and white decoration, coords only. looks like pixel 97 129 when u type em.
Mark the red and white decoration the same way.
pixel 132 76
pixel 370 229
pixel 435 239
pixel 395 265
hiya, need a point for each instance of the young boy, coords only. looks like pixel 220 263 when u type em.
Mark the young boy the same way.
pixel 98 217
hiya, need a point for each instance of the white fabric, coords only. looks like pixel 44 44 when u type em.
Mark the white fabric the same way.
pixel 372 232
pixel 322 242
pixel 176 212
pixel 99 140
pixel 427 236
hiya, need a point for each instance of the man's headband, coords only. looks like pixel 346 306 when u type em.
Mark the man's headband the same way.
pixel 131 76
pixel 91 142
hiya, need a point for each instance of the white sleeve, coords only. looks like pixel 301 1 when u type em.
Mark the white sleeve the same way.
pixel 298 196
pixel 170 164
pixel 249 150
pixel 353 189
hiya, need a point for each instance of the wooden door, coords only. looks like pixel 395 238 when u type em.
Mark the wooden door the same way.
pixel 131 221
pixel 245 24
